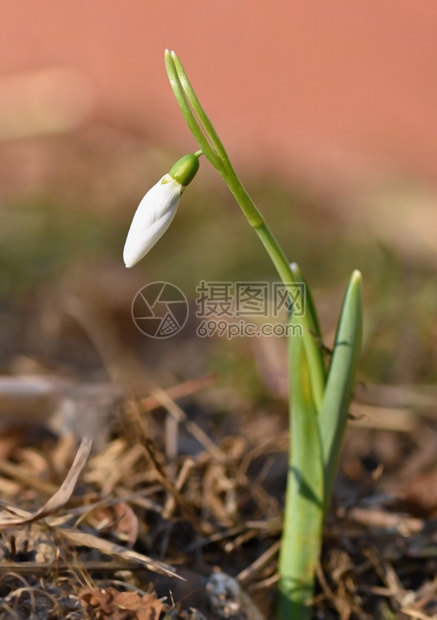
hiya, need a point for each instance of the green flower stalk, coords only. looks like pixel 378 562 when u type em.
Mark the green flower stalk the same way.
pixel 213 149
pixel 320 396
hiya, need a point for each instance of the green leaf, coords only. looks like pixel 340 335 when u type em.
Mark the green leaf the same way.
pixel 303 519
pixel 310 305
pixel 190 118
pixel 312 338
pixel 336 401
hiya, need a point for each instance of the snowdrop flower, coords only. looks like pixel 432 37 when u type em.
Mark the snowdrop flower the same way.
pixel 158 208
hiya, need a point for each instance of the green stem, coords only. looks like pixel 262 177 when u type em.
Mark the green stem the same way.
pixel 309 326
pixel 308 321
pixel 305 486
pixel 206 135
pixel 211 145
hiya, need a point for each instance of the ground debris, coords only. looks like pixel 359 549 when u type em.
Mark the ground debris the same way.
pixel 74 524
pixel 111 604
pixel 33 599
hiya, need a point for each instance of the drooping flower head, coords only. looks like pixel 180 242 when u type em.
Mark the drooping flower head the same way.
pixel 158 208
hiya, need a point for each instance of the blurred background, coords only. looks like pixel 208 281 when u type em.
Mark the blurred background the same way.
pixel 328 111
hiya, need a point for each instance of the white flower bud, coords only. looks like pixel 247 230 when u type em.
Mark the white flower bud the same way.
pixel 152 218
pixel 158 208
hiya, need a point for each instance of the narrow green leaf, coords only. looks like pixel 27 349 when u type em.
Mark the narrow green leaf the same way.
pixel 303 519
pixel 312 338
pixel 190 118
pixel 310 306
pixel 336 401
pixel 208 127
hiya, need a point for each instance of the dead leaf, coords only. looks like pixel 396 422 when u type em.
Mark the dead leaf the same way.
pixel 97 603
pixel 112 604
pixel 63 494
pixel 119 518
pixel 110 548
pixel 146 607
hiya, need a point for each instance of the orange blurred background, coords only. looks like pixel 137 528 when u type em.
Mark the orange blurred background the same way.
pixel 336 89
pixel 339 97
